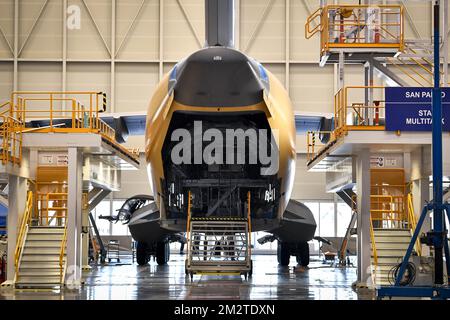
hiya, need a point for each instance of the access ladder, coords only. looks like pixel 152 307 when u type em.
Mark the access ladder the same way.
pixel 219 245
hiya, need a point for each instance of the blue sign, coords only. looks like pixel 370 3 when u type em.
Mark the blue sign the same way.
pixel 409 109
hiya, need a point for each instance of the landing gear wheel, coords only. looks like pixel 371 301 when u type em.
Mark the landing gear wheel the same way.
pixel 142 256
pixel 283 254
pixel 303 254
pixel 250 272
pixel 162 253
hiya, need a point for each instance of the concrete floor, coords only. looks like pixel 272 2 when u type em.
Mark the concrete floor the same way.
pixel 269 281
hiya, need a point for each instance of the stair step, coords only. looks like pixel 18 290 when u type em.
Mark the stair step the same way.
pixel 40 258
pixel 391 239
pixel 46 230
pixel 40 264
pixel 391 245
pixel 388 260
pixel 39 280
pixel 37 243
pixel 39 272
pixel 41 250
pixel 384 268
pixel 45 236
pixel 390 252
pixel 391 232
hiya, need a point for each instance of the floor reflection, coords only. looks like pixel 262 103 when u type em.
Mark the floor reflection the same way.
pixel 128 281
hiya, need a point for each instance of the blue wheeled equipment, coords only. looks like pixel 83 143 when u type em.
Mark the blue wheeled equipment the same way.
pixel 437 238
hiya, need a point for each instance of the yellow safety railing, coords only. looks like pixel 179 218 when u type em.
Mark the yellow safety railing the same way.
pixel 135 152
pixel 188 225
pixel 419 69
pixel 64 111
pixel 249 223
pixel 388 211
pixel 413 222
pixel 62 253
pixel 11 135
pixel 357 26
pixel 24 224
pixel 351 112
pixel 52 208
pixel 315 18
pixel 374 247
pixel 314 142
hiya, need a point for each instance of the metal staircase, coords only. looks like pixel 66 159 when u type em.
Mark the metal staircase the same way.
pixel 41 264
pixel 391 245
pixel 414 63
pixel 219 245
pixel 40 254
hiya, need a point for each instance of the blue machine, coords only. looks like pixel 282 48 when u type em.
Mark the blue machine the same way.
pixel 437 237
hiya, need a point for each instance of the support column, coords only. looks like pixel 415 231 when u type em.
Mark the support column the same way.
pixel 363 224
pixel 74 223
pixel 85 231
pixel 341 69
pixel 17 198
pixel 444 54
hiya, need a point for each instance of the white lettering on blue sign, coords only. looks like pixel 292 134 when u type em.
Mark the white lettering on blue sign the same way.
pixel 421 94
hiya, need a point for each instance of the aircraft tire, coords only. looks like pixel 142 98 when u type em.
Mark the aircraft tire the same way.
pixel 142 256
pixel 162 253
pixel 303 254
pixel 283 254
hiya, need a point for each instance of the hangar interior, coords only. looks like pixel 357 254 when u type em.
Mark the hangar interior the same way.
pixel 76 78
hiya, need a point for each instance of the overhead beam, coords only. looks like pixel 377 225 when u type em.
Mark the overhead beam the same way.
pixel 96 26
pixel 161 39
pixel 130 28
pixel 33 26
pixel 410 19
pixel 16 45
pixel 7 42
pixel 191 26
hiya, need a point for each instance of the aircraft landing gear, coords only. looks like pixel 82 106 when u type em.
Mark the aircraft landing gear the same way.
pixel 162 252
pixel 142 253
pixel 286 249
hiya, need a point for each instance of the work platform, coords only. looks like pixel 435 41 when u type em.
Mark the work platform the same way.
pixel 328 157
pixel 373 158
pixel 357 29
pixel 60 160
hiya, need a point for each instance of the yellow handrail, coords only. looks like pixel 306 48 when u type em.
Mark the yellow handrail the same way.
pixel 313 143
pixel 374 247
pixel 311 32
pixel 12 139
pixel 188 222
pixel 23 231
pixel 62 253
